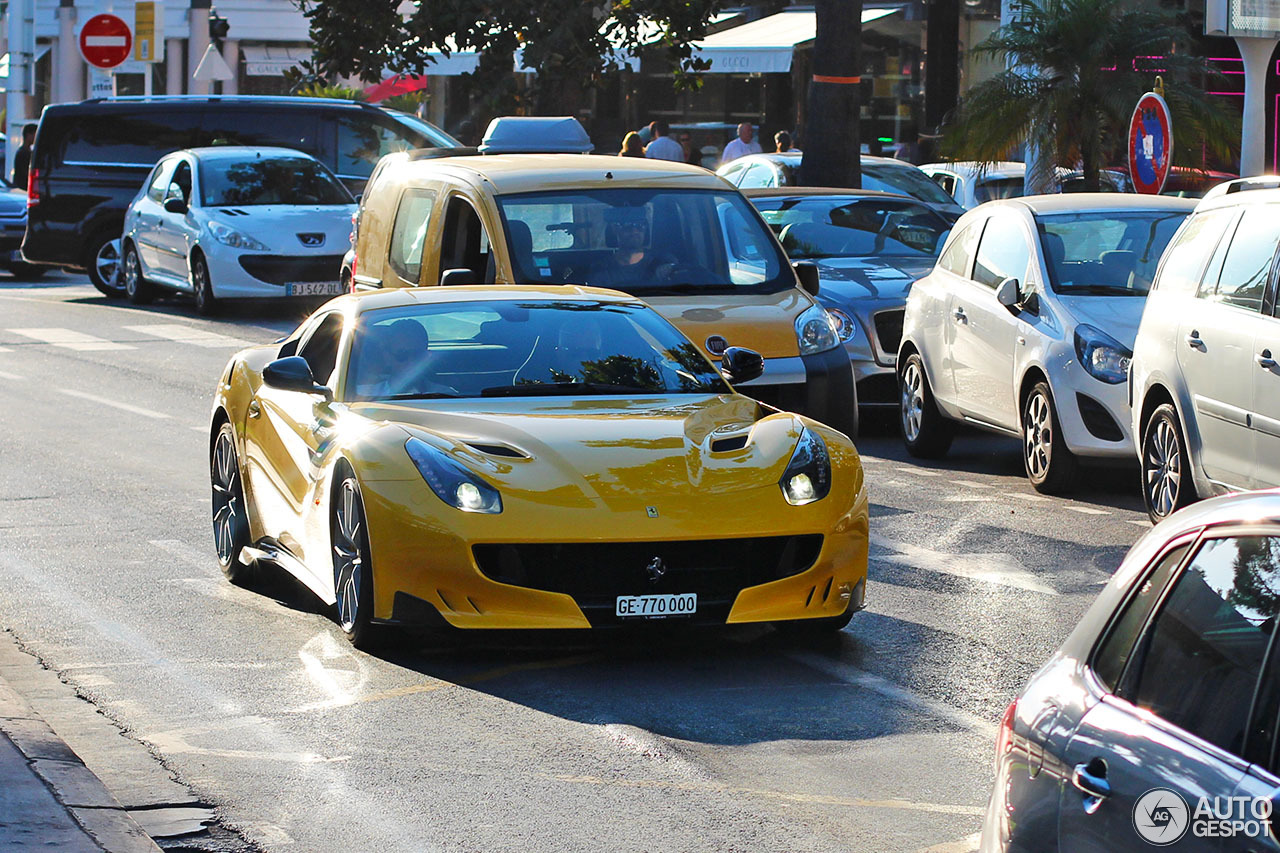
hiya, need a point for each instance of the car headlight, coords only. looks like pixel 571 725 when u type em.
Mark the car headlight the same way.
pixel 451 482
pixel 1101 355
pixel 231 237
pixel 846 326
pixel 816 331
pixel 808 475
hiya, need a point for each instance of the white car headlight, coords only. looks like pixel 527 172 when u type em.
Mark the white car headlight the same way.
pixel 1101 355
pixel 229 236
pixel 816 331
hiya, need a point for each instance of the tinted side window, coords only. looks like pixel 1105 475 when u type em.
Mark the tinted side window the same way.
pixel 409 233
pixel 287 128
pixel 321 349
pixel 180 183
pixel 1114 652
pixel 1185 258
pixel 1003 252
pixel 1248 262
pixel 119 138
pixel 956 258
pixel 1204 652
pixel 362 142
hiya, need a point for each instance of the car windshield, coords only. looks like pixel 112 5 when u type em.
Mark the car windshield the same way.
pixel 1106 253
pixel 644 241
pixel 523 349
pixel 993 188
pixel 903 178
pixel 843 226
pixel 269 180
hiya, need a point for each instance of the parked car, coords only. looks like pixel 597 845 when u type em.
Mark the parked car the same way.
pixel 971 183
pixel 236 222
pixel 13 224
pixel 1206 363
pixel 1025 327
pixel 878 173
pixel 672 234
pixel 868 247
pixel 529 457
pixel 1161 705
pixel 91 157
pixel 1186 182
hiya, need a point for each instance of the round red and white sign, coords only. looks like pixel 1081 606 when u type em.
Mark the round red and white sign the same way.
pixel 105 41
pixel 1150 144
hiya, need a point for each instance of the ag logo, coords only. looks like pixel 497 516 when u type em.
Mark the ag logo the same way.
pixel 656 569
pixel 1161 816
pixel 716 345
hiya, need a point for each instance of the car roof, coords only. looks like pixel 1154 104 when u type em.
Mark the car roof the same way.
pixel 1080 202
pixel 972 168
pixel 226 152
pixel 405 296
pixel 789 192
pixel 518 173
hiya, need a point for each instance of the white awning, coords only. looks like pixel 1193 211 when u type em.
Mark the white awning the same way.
pixel 767 45
pixel 273 60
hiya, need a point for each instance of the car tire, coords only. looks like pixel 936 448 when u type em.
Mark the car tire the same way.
pixel 926 433
pixel 230 511
pixel 202 287
pixel 137 289
pixel 1050 465
pixel 103 262
pixel 1167 484
pixel 352 568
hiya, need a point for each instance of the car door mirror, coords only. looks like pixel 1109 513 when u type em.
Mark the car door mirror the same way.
pixel 807 272
pixel 1007 293
pixel 458 276
pixel 292 373
pixel 175 205
pixel 739 364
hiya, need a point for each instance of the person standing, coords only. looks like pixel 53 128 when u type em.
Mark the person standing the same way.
pixel 663 147
pixel 632 146
pixel 782 143
pixel 742 146
pixel 22 157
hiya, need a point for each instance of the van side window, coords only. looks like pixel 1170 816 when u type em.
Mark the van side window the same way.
pixel 257 127
pixel 464 243
pixel 1184 260
pixel 956 258
pixel 409 233
pixel 362 143
pixel 1247 266
pixel 321 349
pixel 132 140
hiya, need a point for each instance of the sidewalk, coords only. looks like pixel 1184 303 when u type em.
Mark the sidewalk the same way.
pixel 49 800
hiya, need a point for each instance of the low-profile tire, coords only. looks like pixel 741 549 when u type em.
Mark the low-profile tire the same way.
pixel 202 287
pixel 230 511
pixel 103 261
pixel 352 568
pixel 1167 484
pixel 137 289
pixel 1050 465
pixel 926 433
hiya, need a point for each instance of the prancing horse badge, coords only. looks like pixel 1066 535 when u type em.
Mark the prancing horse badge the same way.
pixel 651 511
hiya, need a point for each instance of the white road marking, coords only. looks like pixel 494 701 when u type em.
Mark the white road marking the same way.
pixel 970 484
pixel 5 349
pixel 199 428
pixel 185 334
pixel 850 674
pixel 1088 510
pixel 1145 525
pixel 996 568
pixel 970 499
pixel 70 339
pixel 968 844
pixel 921 472
pixel 12 376
pixel 115 404
pixel 1026 497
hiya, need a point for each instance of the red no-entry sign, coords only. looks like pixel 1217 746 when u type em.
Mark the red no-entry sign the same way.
pixel 105 41
pixel 1150 144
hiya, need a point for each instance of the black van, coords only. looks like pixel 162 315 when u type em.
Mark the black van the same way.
pixel 91 157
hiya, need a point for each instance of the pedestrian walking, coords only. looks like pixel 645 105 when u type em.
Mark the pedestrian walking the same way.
pixel 632 145
pixel 742 146
pixel 782 142
pixel 663 147
pixel 22 157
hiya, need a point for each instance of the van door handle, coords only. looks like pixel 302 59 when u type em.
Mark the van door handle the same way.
pixel 255 410
pixel 960 316
pixel 1193 341
pixel 1265 361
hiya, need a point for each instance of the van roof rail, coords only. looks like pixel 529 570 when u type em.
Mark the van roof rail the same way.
pixel 1257 182
pixel 249 98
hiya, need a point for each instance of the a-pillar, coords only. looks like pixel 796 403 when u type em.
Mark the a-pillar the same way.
pixel 1256 53
pixel 68 64
pixel 197 43
pixel 231 55
pixel 173 76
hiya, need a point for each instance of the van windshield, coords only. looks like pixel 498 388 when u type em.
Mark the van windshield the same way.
pixel 643 241
pixel 269 180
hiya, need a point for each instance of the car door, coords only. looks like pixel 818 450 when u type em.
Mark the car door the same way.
pixel 149 209
pixel 1266 384
pixel 930 305
pixel 982 357
pixel 172 230
pixel 1174 732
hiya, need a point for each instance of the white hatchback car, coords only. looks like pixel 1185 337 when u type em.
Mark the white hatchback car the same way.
pixel 1206 365
pixel 236 222
pixel 1025 327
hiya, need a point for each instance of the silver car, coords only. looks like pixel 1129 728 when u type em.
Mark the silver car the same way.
pixel 1205 379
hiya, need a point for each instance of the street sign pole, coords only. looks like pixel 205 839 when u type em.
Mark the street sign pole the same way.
pixel 22 54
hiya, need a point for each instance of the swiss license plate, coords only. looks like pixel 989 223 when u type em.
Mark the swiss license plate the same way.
pixel 657 606
pixel 314 288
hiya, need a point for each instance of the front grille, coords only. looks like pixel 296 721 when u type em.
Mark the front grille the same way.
pixel 281 269
pixel 1097 419
pixel 889 330
pixel 596 573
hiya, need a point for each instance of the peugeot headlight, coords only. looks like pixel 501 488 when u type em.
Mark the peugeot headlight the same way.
pixel 451 482
pixel 1101 355
pixel 846 326
pixel 808 475
pixel 229 236
pixel 816 331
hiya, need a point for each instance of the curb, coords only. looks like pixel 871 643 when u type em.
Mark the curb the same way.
pixel 76 788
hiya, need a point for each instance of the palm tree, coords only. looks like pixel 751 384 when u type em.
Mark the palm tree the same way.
pixel 1075 70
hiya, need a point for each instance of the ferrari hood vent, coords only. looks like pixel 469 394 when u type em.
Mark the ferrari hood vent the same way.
pixel 498 450
pixel 733 442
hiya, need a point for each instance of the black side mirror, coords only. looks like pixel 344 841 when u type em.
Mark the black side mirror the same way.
pixel 807 272
pixel 175 205
pixel 292 373
pixel 739 364
pixel 458 276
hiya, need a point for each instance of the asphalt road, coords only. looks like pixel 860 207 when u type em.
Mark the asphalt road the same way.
pixel 732 740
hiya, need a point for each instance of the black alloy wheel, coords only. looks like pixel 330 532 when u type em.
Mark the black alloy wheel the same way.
pixel 1167 485
pixel 138 290
pixel 104 263
pixel 1050 465
pixel 230 512
pixel 202 287
pixel 926 433
pixel 352 572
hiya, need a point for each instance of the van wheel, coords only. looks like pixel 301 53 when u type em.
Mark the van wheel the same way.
pixel 202 285
pixel 1167 485
pixel 137 288
pixel 104 264
pixel 1050 464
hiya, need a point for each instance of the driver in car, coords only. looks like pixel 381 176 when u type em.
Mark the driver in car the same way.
pixel 633 261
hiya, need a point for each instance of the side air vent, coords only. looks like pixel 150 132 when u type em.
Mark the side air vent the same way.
pixel 733 442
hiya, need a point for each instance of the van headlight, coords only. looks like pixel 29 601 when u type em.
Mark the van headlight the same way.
pixel 816 331
pixel 451 482
pixel 229 236
pixel 808 475
pixel 1101 355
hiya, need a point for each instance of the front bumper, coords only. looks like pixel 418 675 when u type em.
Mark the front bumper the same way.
pixel 820 386
pixel 252 275
pixel 1095 417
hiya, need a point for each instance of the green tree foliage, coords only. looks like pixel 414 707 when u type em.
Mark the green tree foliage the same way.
pixel 571 43
pixel 316 89
pixel 1072 83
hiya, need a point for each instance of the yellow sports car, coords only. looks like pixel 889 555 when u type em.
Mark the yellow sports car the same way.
pixel 528 457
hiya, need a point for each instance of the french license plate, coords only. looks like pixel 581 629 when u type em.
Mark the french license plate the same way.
pixel 314 288
pixel 657 606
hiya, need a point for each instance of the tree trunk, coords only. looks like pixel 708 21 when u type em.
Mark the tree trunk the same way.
pixel 831 139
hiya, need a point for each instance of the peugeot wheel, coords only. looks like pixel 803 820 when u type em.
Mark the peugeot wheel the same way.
pixel 352 572
pixel 104 263
pixel 1167 485
pixel 1050 465
pixel 925 431
pixel 202 287
pixel 138 290
pixel 230 512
